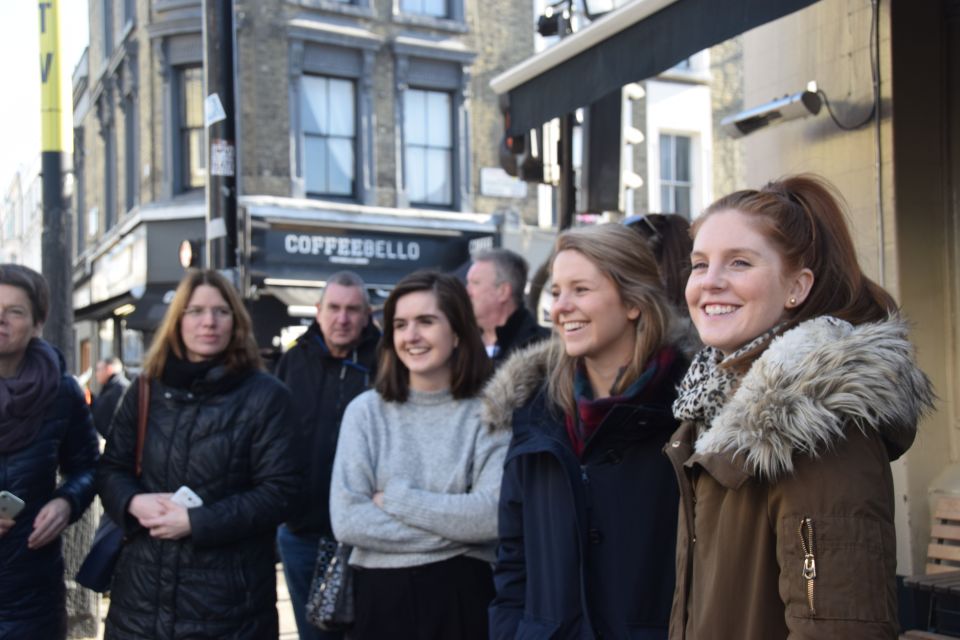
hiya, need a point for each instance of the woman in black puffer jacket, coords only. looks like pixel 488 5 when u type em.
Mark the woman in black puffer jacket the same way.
pixel 218 425
pixel 45 426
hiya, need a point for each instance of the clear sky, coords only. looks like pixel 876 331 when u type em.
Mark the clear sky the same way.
pixel 20 76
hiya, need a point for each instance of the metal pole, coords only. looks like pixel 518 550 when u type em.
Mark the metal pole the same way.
pixel 567 202
pixel 55 149
pixel 219 110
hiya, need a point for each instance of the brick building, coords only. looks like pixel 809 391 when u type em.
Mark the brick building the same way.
pixel 352 117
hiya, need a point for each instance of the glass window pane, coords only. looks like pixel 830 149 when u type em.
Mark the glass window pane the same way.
pixel 315 164
pixel 196 159
pixel 340 166
pixel 314 105
pixel 414 167
pixel 666 157
pixel 436 8
pixel 192 96
pixel 414 117
pixel 438 176
pixel 411 6
pixel 683 158
pixel 666 202
pixel 683 201
pixel 438 110
pixel 341 109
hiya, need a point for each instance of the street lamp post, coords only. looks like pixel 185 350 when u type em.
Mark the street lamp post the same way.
pixel 220 121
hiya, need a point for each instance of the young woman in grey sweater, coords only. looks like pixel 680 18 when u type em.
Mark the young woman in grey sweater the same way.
pixel 416 479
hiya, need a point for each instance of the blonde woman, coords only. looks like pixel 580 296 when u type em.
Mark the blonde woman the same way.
pixel 588 506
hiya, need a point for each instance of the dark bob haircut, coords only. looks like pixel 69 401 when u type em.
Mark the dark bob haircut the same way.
pixel 33 284
pixel 470 366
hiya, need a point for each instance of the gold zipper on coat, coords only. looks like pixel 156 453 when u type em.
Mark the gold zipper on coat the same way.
pixel 809 560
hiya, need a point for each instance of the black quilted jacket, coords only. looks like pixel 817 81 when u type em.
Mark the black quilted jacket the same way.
pixel 31 582
pixel 229 440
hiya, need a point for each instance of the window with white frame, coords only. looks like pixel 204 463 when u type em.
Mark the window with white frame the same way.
pixel 434 8
pixel 676 178
pixel 329 130
pixel 192 156
pixel 428 147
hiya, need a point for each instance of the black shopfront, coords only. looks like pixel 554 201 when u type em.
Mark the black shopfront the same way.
pixel 290 252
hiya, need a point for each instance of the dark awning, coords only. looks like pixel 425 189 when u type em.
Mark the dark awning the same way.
pixel 633 43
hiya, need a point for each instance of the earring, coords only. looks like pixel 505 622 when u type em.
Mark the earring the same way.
pixel 793 302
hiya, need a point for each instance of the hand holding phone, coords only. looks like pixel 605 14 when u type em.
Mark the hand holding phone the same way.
pixel 10 505
pixel 185 497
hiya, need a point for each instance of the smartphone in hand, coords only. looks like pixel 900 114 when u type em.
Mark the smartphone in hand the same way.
pixel 185 497
pixel 10 505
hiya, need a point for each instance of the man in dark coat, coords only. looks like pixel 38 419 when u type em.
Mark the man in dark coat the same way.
pixel 331 364
pixel 109 374
pixel 495 282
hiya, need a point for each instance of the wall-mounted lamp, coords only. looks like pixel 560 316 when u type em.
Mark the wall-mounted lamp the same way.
pixel 789 107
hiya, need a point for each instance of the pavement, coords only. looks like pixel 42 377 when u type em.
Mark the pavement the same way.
pixel 288 626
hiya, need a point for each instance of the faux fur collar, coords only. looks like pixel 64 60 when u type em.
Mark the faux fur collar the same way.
pixel 799 396
pixel 514 383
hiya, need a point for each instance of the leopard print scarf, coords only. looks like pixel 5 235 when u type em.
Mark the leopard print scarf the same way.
pixel 708 384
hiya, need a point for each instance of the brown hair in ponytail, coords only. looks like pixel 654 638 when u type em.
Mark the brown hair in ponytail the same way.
pixel 803 217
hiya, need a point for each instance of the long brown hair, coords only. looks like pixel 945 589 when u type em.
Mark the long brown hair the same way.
pixel 241 353
pixel 470 366
pixel 803 217
pixel 632 268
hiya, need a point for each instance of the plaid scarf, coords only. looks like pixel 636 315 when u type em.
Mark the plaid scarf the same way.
pixel 590 412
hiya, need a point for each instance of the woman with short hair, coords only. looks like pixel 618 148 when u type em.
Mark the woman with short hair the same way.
pixel 218 425
pixel 417 474
pixel 45 429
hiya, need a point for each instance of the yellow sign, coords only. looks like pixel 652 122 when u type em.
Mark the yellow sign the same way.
pixel 55 123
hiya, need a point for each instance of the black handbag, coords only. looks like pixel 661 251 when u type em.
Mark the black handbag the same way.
pixel 330 602
pixel 96 572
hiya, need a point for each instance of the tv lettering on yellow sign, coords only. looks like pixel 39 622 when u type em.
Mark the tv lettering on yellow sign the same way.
pixel 52 115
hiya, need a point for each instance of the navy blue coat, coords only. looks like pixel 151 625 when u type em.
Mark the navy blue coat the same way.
pixel 587 546
pixel 32 592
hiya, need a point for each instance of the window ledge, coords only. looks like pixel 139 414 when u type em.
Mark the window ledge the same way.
pixel 331 6
pixel 431 22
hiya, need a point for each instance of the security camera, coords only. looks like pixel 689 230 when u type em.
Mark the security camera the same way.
pixel 786 108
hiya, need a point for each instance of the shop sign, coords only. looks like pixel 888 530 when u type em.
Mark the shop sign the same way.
pixel 378 256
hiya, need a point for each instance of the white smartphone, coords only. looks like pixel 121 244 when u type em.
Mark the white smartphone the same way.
pixel 185 497
pixel 10 505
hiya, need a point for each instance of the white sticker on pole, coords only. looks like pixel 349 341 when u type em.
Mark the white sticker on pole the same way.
pixel 221 157
pixel 213 110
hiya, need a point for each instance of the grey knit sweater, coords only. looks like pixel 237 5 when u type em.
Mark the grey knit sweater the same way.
pixel 439 469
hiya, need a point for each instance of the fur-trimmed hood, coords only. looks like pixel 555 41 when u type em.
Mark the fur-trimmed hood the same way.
pixel 800 394
pixel 525 372
pixel 515 383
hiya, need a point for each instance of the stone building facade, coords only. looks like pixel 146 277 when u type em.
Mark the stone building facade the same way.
pixel 360 111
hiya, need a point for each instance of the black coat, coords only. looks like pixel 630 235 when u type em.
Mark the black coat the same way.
pixel 106 403
pixel 519 331
pixel 322 387
pixel 32 593
pixel 229 440
pixel 586 545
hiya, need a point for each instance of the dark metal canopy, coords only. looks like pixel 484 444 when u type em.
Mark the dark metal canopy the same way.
pixel 633 43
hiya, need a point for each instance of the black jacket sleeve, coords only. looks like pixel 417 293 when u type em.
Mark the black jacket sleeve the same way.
pixel 510 572
pixel 79 451
pixel 117 482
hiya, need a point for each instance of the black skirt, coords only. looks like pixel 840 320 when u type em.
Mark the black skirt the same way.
pixel 445 600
